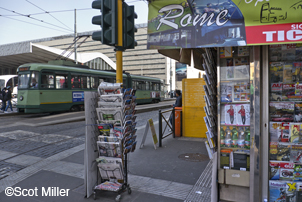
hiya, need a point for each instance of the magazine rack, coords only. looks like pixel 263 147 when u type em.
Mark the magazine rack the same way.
pixel 116 125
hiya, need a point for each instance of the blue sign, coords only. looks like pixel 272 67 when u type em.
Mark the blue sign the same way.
pixel 78 96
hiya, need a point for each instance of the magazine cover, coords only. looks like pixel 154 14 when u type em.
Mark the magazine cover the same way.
pixel 230 73
pixel 222 114
pixel 281 111
pixel 243 114
pixel 275 53
pixel 274 170
pixel 274 133
pixel 297 172
pixel 298 92
pixel 296 153
pixel 110 168
pixel 296 72
pixel 273 150
pixel 230 116
pixel 288 52
pixel 286 171
pixel 243 51
pixel 288 92
pixel 242 61
pixel 283 151
pixel 109 149
pixel 276 72
pixel 284 132
pixel 295 129
pixel 226 92
pixel 276 92
pixel 277 190
pixel 287 73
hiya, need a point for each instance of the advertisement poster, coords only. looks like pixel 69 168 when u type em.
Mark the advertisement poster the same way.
pixel 224 23
pixel 230 116
pixel 78 96
pixel 181 71
pixel 243 114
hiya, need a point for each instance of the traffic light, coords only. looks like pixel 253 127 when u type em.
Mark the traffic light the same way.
pixel 107 20
pixel 128 26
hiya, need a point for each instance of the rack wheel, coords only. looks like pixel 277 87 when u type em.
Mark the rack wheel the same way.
pixel 129 190
pixel 118 198
pixel 94 195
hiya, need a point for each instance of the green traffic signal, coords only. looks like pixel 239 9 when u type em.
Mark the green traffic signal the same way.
pixel 129 27
pixel 107 20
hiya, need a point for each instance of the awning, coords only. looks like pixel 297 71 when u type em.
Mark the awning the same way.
pixel 183 55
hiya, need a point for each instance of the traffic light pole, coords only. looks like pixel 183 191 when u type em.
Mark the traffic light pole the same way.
pixel 119 51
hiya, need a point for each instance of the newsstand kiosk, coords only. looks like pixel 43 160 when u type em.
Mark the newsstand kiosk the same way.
pixel 258 47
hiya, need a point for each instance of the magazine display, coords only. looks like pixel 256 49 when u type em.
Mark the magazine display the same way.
pixel 117 135
pixel 210 98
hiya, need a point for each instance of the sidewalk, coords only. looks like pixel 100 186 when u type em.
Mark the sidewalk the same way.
pixel 178 171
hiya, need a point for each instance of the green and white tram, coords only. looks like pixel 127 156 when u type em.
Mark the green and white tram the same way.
pixel 53 88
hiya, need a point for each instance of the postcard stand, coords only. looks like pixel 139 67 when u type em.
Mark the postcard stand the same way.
pixel 116 125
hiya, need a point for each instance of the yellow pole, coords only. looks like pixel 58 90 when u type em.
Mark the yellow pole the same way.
pixel 119 53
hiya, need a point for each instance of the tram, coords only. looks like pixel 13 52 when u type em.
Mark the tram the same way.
pixel 53 88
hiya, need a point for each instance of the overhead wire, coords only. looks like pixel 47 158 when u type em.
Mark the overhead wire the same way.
pixel 34 18
pixel 60 11
pixel 34 24
pixel 49 14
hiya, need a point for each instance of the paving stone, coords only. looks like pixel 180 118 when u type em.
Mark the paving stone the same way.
pixel 8 168
pixel 5 154
pixel 21 146
pixel 24 160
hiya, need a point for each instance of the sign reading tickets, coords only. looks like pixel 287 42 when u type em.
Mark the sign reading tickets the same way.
pixel 222 23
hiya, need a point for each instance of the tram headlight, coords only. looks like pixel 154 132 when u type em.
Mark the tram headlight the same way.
pixel 21 98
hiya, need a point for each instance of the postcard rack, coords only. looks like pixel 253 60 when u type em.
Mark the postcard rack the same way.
pixel 117 137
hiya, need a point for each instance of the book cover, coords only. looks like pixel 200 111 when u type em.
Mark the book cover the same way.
pixel 296 153
pixel 284 150
pixel 286 171
pixel 276 72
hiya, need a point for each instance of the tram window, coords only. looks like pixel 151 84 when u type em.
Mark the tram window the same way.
pixel 85 83
pixel 94 82
pixel 75 81
pixel 110 80
pixel 134 84
pixel 47 80
pixel 125 83
pixel 147 85
pixel 34 79
pixel 101 80
pixel 161 87
pixel 23 80
pixel 10 82
pixel 141 85
pixel 61 81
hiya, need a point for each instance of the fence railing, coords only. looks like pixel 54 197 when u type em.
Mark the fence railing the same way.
pixel 168 125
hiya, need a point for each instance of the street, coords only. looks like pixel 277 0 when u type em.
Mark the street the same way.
pixel 55 155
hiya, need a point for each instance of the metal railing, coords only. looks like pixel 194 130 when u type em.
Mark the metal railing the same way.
pixel 161 117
